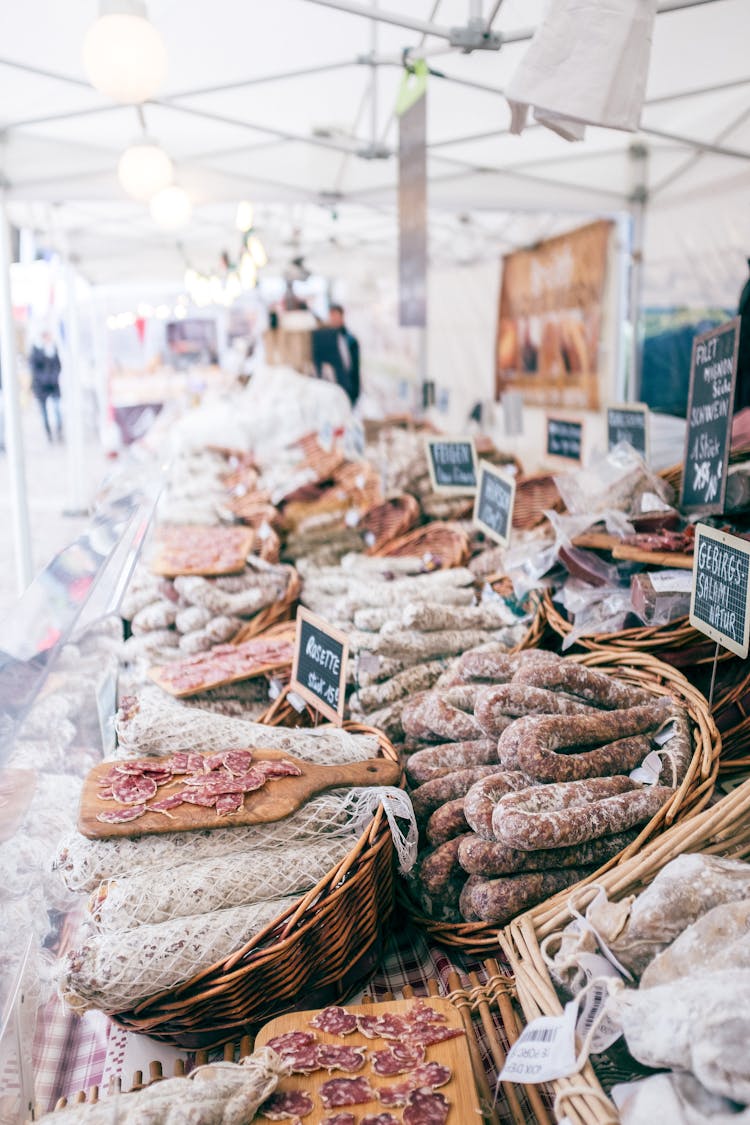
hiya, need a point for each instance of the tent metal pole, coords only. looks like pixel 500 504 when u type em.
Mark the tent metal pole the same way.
pixel 12 403
pixel 394 18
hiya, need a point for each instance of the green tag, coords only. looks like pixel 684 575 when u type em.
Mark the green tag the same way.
pixel 413 87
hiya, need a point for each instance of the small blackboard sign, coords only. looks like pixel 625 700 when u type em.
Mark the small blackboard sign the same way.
pixel 720 598
pixel 453 465
pixel 493 507
pixel 319 667
pixel 564 438
pixel 713 373
pixel 628 422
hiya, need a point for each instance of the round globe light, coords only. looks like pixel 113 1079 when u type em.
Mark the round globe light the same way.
pixel 124 55
pixel 171 208
pixel 144 169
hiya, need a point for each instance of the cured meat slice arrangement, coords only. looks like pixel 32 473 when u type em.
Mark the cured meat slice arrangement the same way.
pixel 223 664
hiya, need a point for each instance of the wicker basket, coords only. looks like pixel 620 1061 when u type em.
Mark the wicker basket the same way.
pixel 276 613
pixel 388 521
pixel 535 604
pixel 534 496
pixel 446 544
pixel 720 830
pixel 644 671
pixel 329 941
pixel 677 643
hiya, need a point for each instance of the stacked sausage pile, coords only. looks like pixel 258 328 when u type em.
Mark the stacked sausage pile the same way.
pixel 404 625
pixel 528 789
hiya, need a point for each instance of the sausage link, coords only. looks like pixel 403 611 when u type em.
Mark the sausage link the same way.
pixel 480 801
pixel 498 900
pixel 495 705
pixel 491 858
pixel 597 687
pixel 433 794
pixel 616 757
pixel 446 822
pixel 437 761
pixel 427 716
pixel 439 867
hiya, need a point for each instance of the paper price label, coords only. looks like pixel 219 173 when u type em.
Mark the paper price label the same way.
pixel 649 770
pixel 545 1050
pixel 590 1015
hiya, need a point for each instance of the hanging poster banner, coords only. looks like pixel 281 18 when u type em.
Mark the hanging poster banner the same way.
pixel 412 200
pixel 550 319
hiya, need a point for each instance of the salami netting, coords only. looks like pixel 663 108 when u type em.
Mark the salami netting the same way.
pixel 207 885
pixel 151 725
pixel 84 864
pixel 114 971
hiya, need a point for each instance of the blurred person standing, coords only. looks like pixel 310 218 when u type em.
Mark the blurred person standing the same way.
pixel 45 383
pixel 347 347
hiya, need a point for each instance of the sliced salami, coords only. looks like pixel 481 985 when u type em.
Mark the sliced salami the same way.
pixel 195 763
pixel 422 1012
pixel 179 761
pixel 121 816
pixel 333 1057
pixel 105 793
pixel 427 1035
pixel 426 1107
pixel 132 790
pixel 291 1041
pixel 199 797
pixel 229 803
pixel 427 1076
pixel 382 1027
pixel 285 1104
pixel 397 1059
pixel 346 1091
pixel 396 1094
pixel 280 768
pixel 340 1119
pixel 165 803
pixel 237 761
pixel 335 1021
pixel 379 1119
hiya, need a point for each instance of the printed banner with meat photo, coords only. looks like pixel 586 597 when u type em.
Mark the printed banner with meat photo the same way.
pixel 550 319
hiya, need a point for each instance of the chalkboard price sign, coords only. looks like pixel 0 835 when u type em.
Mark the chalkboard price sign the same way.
pixel 720 598
pixel 493 507
pixel 319 667
pixel 453 465
pixel 564 438
pixel 628 422
pixel 713 373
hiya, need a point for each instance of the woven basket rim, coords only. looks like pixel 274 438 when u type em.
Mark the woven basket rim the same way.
pixel 720 829
pixel 448 537
pixel 691 796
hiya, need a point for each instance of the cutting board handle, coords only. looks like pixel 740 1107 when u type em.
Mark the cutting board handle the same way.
pixel 374 771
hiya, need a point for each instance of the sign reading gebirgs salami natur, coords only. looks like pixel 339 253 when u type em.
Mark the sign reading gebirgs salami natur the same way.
pixel 564 438
pixel 713 374
pixel 720 598
pixel 628 421
pixel 319 666
pixel 453 465
pixel 493 507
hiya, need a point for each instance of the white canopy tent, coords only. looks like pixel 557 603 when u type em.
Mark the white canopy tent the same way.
pixel 290 103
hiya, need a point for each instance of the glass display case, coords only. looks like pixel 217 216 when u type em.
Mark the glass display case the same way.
pixel 58 684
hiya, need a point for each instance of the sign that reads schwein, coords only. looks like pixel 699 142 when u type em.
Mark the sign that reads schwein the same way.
pixel 453 465
pixel 720 598
pixel 319 666
pixel 713 373
pixel 493 508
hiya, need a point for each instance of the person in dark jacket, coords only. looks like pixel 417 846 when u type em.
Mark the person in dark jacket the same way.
pixel 742 390
pixel 334 347
pixel 45 383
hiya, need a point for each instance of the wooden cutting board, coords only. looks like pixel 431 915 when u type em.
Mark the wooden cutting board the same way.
pixel 276 800
pixel 167 563
pixel 461 1091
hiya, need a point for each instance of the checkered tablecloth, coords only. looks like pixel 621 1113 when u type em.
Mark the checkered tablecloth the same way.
pixel 72 1053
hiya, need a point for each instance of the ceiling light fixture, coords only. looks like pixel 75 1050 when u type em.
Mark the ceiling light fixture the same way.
pixel 123 53
pixel 245 216
pixel 144 169
pixel 171 208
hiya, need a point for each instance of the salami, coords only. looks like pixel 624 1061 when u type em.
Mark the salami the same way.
pixel 236 761
pixel 586 683
pixel 430 717
pixel 379 1119
pixel 131 789
pixel 346 1091
pixel 384 1026
pixel 340 1119
pixel 437 761
pixel 440 866
pixel 335 1021
pixel 479 802
pixel 492 664
pixel 495 706
pixel 429 1034
pixel 426 1107
pixel 291 1042
pixel 569 813
pixel 396 1059
pixel 491 858
pixel 446 822
pixel 274 769
pixel 426 1076
pixel 121 816
pixel 229 803
pixel 331 1056
pixel 547 733
pixel 284 1104
pixel 433 794
pixel 497 901
pixel 677 752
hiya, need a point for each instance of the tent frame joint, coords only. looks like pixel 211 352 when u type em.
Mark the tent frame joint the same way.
pixel 475 36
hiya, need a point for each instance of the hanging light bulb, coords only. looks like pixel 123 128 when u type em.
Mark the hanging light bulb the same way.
pixel 248 272
pixel 244 219
pixel 171 207
pixel 123 54
pixel 144 169
pixel 257 251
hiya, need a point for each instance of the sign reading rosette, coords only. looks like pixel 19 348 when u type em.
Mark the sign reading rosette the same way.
pixel 564 439
pixel 452 463
pixel 319 666
pixel 493 508
pixel 720 599
pixel 628 422
pixel 713 373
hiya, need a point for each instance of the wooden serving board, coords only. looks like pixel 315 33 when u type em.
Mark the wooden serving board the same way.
pixel 460 1091
pixel 277 799
pixel 166 560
